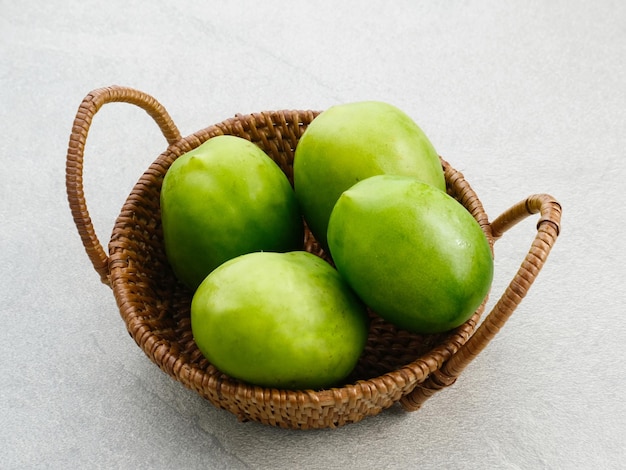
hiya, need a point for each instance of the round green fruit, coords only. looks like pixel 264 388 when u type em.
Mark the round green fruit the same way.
pixel 281 320
pixel 350 142
pixel 411 252
pixel 221 200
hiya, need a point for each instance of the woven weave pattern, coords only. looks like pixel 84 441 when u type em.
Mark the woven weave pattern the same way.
pixel 396 366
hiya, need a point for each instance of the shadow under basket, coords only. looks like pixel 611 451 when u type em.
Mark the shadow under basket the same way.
pixel 395 367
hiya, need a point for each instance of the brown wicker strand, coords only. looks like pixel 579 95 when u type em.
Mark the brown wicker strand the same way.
pixel 74 162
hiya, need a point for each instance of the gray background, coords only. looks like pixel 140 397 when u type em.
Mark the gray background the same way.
pixel 524 97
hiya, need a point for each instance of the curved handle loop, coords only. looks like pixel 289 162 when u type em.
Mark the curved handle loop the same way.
pixel 74 164
pixel 548 229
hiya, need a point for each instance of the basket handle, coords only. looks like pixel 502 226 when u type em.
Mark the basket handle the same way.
pixel 548 229
pixel 90 105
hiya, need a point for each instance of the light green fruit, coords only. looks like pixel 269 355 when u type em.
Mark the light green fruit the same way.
pixel 350 142
pixel 411 252
pixel 282 320
pixel 221 200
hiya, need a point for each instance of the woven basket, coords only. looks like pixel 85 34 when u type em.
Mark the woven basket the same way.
pixel 396 366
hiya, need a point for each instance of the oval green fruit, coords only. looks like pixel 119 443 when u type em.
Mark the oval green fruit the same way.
pixel 411 252
pixel 350 142
pixel 282 320
pixel 221 200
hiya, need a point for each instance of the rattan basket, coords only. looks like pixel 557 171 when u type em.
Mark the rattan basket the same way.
pixel 396 366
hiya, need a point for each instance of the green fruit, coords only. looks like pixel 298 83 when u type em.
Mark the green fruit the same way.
pixel 221 200
pixel 350 142
pixel 283 320
pixel 411 252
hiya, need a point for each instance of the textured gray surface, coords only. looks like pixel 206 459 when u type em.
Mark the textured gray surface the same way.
pixel 523 97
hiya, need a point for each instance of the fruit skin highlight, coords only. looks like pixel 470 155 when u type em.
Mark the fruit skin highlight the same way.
pixel 221 200
pixel 282 320
pixel 350 142
pixel 411 252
